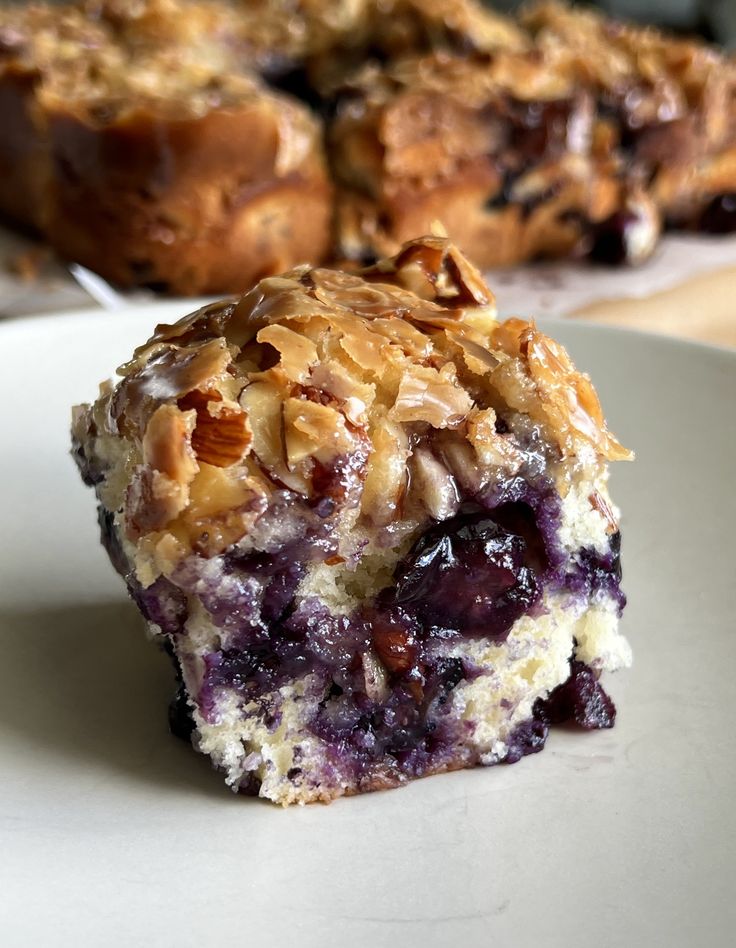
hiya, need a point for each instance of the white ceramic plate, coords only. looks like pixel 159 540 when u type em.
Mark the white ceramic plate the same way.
pixel 114 833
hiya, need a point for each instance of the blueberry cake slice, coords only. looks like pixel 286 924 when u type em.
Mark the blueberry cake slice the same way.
pixel 369 522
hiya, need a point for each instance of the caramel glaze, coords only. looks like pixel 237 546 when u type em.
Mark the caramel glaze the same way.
pixel 319 380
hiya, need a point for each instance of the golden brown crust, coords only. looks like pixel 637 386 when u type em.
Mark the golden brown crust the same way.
pixel 318 369
pixel 202 205
pixel 496 150
pixel 675 99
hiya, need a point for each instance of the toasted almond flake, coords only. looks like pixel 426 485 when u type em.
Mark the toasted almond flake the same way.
pixel 428 395
pixel 367 349
pixel 333 377
pixel 273 300
pixel 415 344
pixel 152 501
pixel 224 504
pixel 434 485
pixel 167 443
pixel 199 433
pixel 386 476
pixel 170 374
pixel 570 400
pixel 476 356
pixel 298 353
pixel 314 430
pixel 159 554
pixel 462 461
pixel 493 449
pixel 262 401
pixel 507 335
pixel 222 435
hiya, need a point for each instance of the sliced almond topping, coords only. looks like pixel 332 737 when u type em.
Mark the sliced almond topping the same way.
pixel 570 400
pixel 167 443
pixel 262 401
pixel 314 430
pixel 428 395
pixel 159 488
pixel 493 449
pixel 333 377
pixel 475 355
pixel 507 335
pixel 222 435
pixel 152 501
pixel 434 485
pixel 462 461
pixel 158 554
pixel 367 349
pixel 566 396
pixel 224 504
pixel 169 375
pixel 206 323
pixel 298 353
pixel 415 344
pixel 272 300
pixel 385 480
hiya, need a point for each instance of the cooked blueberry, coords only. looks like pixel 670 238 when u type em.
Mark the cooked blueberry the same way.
pixel 528 738
pixel 719 217
pixel 628 236
pixel 580 699
pixel 469 574
pixel 162 603
pixel 181 723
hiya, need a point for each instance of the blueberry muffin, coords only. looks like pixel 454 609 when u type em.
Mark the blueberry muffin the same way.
pixel 369 523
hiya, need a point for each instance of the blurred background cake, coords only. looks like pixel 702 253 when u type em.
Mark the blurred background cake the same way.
pixel 194 146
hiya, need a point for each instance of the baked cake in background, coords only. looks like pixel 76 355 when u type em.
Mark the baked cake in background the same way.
pixel 369 523
pixel 140 147
pixel 585 142
pixel 180 144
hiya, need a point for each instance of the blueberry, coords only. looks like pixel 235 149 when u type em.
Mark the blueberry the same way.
pixel 581 699
pixel 181 723
pixel 719 217
pixel 468 574
pixel 624 237
pixel 528 738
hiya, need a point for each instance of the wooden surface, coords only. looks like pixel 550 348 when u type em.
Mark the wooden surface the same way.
pixel 704 309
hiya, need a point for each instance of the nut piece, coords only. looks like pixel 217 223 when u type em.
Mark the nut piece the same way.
pixel 435 397
pixel 434 484
pixel 566 396
pixel 159 488
pixel 222 435
pixel 375 392
pixel 385 480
